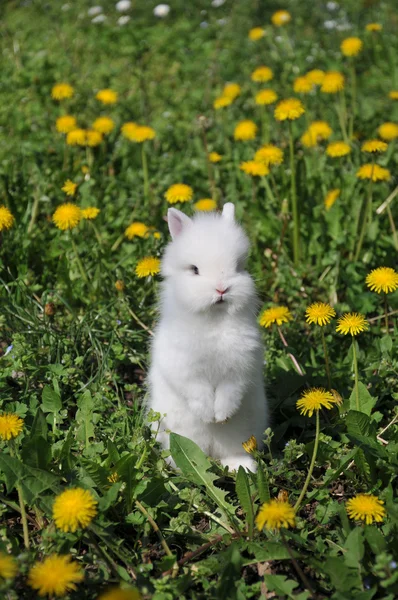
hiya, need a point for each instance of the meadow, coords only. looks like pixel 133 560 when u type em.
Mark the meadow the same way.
pixel 109 115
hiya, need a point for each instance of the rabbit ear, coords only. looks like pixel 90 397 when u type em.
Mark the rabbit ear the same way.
pixel 228 211
pixel 177 221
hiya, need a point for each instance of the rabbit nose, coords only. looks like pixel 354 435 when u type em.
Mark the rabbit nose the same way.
pixel 223 291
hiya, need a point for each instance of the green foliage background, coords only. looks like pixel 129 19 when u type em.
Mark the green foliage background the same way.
pixel 77 376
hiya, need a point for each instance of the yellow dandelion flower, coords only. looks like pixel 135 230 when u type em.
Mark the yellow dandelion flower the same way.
pixel 67 216
pixel 90 213
pixel 55 576
pixel 107 96
pixel 365 507
pixel 117 593
pixel 65 124
pixel 179 192
pixel 302 85
pixel 319 313
pixel 157 235
pixel 291 109
pixel 136 229
pixel 245 131
pixel 337 397
pixel 10 426
pixel 262 74
pixel 222 102
pixel 114 477
pixel 333 82
pixel 103 125
pixel 74 509
pixel 374 27
pixel 309 139
pixel 147 266
pixel 393 94
pixel 317 131
pixel 119 285
pixel 351 46
pixel 8 566
pixel 206 205
pixel 338 149
pixel 128 130
pixel 76 137
pixel 388 131
pixel 321 129
pixel 352 323
pixel 281 17
pixel 382 279
pixel 232 90
pixel 374 146
pixel 93 138
pixel 266 96
pixel 374 172
pixel 331 198
pixel 316 76
pixel 315 399
pixel 60 91
pixel 254 168
pixel 274 515
pixel 142 133
pixel 6 218
pixel 69 187
pixel 214 157
pixel 275 314
pixel 250 445
pixel 256 34
pixel 269 155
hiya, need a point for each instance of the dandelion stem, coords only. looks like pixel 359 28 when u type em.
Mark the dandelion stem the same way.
pixel 291 356
pixel 386 202
pixel 314 453
pixel 325 352
pixel 138 320
pixel 21 501
pixel 145 172
pixel 394 312
pixel 296 231
pixel 355 361
pixel 210 173
pixel 117 243
pixel 97 233
pixel 254 191
pixel 393 229
pixel 269 190
pixel 296 566
pixel 155 527
pixel 386 311
pixel 367 214
pixel 79 262
pixel 264 124
pixel 23 517
pixel 340 109
pixel 35 210
pixel 353 100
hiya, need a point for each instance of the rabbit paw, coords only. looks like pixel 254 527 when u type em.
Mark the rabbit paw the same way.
pixel 228 399
pixel 203 407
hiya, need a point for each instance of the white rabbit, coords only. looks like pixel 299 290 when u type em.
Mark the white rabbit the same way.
pixel 207 355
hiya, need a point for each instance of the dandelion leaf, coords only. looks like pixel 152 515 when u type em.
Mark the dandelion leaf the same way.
pixel 195 465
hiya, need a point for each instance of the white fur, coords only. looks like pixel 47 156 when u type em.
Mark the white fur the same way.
pixel 207 357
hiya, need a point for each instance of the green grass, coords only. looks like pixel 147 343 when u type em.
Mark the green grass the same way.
pixel 76 370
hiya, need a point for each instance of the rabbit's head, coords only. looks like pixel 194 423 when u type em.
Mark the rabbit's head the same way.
pixel 205 262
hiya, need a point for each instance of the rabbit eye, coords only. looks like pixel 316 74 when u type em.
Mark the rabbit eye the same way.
pixel 194 270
